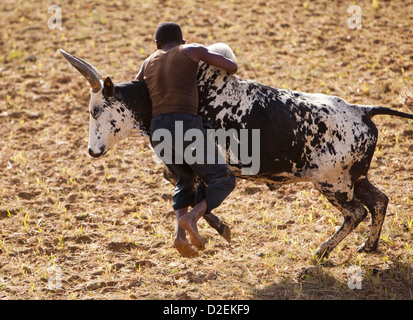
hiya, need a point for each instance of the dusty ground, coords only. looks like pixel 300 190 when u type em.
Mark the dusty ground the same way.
pixel 104 227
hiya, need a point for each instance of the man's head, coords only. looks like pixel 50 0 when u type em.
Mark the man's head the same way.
pixel 168 32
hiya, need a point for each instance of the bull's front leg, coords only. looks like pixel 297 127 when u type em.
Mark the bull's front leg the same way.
pixel 218 225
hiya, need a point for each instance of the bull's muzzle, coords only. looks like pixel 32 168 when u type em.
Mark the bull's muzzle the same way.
pixel 95 154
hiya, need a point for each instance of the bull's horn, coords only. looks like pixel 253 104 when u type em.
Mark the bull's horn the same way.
pixel 89 72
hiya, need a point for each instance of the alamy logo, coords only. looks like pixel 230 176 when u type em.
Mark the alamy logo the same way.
pixel 354 22
pixel 55 280
pixel 355 277
pixel 214 150
pixel 55 20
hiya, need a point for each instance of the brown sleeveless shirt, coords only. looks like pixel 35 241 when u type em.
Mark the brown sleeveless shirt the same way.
pixel 171 77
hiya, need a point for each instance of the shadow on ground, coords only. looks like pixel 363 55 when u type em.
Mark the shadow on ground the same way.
pixel 393 281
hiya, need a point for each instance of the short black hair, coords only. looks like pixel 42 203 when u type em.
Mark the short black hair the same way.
pixel 168 32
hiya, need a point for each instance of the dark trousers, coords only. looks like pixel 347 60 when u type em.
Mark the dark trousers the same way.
pixel 217 179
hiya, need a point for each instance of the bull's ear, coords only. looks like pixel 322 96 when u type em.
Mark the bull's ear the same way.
pixel 108 87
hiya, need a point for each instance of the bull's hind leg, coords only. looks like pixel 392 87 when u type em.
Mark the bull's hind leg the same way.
pixel 376 201
pixel 354 212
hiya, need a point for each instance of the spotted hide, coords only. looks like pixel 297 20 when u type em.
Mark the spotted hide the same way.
pixel 303 138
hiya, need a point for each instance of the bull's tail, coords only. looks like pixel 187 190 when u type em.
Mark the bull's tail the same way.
pixel 376 110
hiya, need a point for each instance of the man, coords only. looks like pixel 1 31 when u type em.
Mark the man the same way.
pixel 171 76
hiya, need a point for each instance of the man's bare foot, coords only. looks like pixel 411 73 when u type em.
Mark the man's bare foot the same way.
pixel 184 248
pixel 189 224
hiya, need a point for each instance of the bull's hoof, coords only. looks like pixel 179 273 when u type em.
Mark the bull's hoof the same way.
pixel 226 233
pixel 366 248
pixel 322 254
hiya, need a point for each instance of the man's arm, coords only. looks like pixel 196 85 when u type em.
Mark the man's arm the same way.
pixel 141 72
pixel 200 53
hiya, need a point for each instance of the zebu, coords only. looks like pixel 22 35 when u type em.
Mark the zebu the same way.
pixel 303 137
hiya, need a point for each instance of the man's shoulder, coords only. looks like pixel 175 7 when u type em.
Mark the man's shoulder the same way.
pixel 194 51
pixel 193 46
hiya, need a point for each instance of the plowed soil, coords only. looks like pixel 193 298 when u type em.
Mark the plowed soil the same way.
pixel 73 227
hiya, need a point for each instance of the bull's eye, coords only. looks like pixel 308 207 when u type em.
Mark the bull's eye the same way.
pixel 95 112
